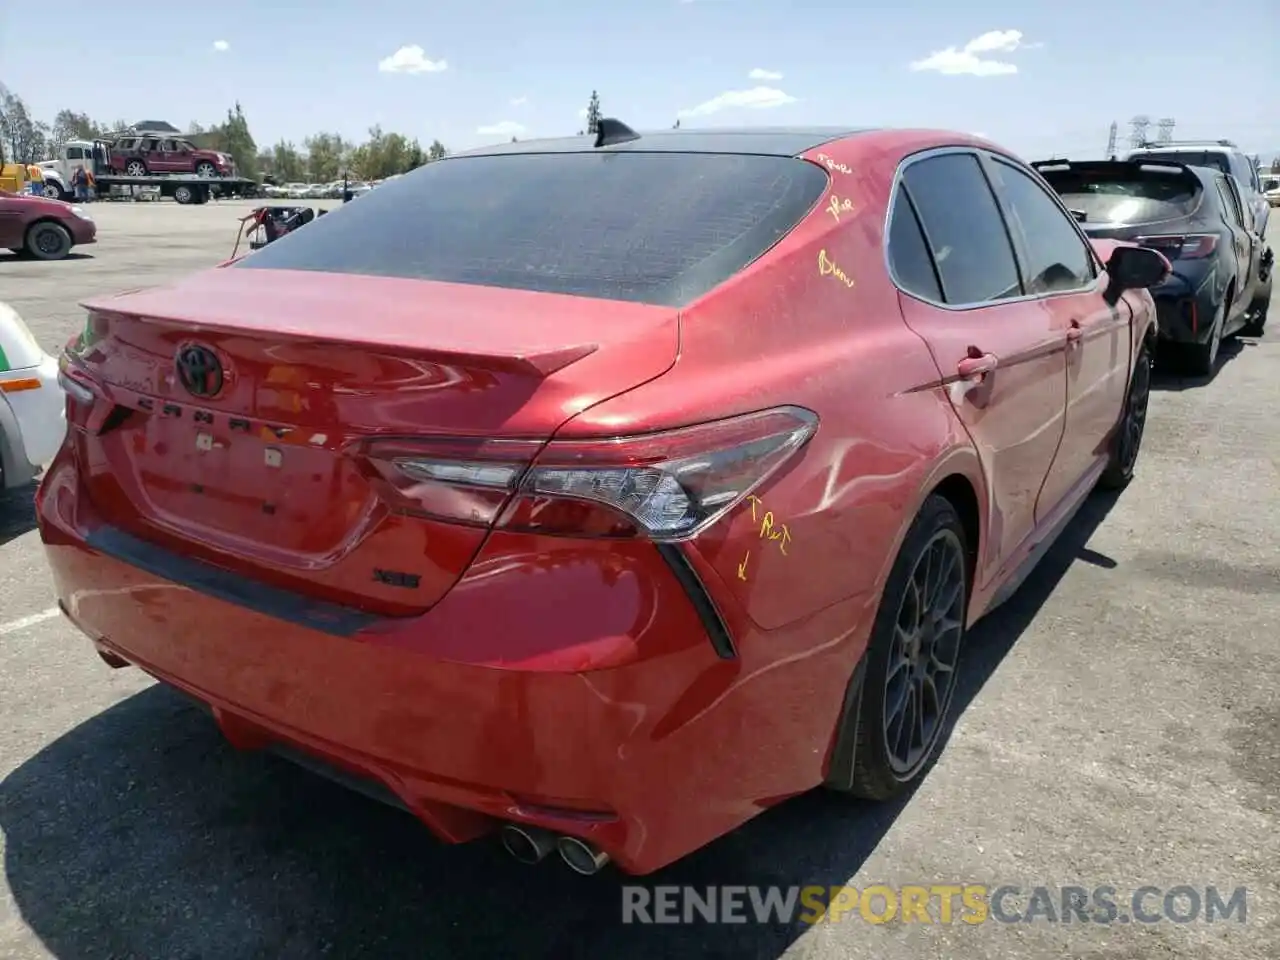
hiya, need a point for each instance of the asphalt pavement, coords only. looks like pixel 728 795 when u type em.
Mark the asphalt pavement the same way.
pixel 1119 725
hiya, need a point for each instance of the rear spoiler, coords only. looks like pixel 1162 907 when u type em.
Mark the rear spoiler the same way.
pixel 1101 166
pixel 529 363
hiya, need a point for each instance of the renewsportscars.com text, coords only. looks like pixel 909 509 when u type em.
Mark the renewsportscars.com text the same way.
pixel 933 904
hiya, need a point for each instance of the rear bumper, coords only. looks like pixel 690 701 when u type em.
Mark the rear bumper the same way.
pixel 576 690
pixel 1185 306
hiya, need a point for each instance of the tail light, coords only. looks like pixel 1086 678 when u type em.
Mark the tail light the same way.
pixel 1190 246
pixel 662 486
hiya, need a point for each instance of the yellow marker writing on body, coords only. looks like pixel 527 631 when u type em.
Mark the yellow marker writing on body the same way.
pixel 839 205
pixel 832 165
pixel 829 268
pixel 742 567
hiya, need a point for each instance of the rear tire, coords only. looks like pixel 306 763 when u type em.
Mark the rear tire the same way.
pixel 184 194
pixel 48 241
pixel 1258 312
pixel 1133 420
pixel 135 168
pixel 913 657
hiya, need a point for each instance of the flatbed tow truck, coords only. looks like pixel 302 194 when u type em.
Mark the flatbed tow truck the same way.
pixel 182 187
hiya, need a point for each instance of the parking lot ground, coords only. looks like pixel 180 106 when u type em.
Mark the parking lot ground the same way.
pixel 1119 725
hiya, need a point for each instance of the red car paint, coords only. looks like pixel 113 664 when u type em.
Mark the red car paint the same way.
pixel 19 211
pixel 545 673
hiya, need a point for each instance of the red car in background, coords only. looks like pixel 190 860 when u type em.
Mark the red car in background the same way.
pixel 140 156
pixel 605 492
pixel 43 228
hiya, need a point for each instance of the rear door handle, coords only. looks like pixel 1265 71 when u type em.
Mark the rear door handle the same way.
pixel 976 365
pixel 1074 332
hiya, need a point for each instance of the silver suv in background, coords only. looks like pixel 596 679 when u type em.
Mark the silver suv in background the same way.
pixel 1221 155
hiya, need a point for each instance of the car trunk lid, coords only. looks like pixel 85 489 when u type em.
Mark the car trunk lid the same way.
pixel 263 470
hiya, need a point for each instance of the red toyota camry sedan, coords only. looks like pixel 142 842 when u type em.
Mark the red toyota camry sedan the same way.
pixel 603 492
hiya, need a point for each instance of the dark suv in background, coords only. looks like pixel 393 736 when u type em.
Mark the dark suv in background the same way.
pixel 1223 156
pixel 1196 217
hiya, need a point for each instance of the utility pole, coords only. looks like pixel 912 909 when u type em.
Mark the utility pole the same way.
pixel 1165 130
pixel 1111 140
pixel 1138 136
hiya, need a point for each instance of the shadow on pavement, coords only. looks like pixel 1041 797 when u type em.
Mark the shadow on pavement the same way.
pixel 17 512
pixel 140 833
pixel 1167 377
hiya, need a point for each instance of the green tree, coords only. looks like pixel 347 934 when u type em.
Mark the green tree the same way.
pixel 25 139
pixel 382 155
pixel 417 157
pixel 593 113
pixel 69 125
pixel 233 137
pixel 436 151
pixel 286 163
pixel 326 154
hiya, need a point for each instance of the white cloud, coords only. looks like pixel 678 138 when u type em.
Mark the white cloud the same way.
pixel 519 101
pixel 757 98
pixel 221 46
pixel 411 59
pixel 504 128
pixel 761 74
pixel 968 59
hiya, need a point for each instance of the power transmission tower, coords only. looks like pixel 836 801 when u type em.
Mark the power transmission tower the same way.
pixel 1140 124
pixel 1164 130
pixel 1111 139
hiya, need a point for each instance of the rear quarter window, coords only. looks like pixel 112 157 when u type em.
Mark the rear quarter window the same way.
pixel 661 228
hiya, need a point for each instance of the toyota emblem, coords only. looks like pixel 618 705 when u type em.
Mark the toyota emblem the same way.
pixel 200 371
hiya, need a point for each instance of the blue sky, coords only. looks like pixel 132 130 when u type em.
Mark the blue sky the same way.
pixel 1042 79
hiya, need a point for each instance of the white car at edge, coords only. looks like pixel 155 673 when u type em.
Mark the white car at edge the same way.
pixel 33 416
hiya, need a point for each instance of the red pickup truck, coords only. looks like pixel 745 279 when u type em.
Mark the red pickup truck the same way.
pixel 140 156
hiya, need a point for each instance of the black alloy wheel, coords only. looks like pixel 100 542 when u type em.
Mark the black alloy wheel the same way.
pixel 910 668
pixel 1133 422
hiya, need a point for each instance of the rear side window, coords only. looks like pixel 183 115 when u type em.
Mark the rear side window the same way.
pixel 1229 203
pixel 908 255
pixel 963 228
pixel 1058 259
pixel 1125 195
pixel 661 228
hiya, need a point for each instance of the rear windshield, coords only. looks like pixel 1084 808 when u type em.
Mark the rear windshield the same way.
pixel 661 228
pixel 1126 196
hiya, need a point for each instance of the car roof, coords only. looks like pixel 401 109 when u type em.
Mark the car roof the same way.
pixel 768 141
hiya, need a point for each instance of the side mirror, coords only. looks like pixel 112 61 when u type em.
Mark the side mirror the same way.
pixel 1080 215
pixel 1134 268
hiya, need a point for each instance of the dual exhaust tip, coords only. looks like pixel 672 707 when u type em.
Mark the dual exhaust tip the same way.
pixel 530 845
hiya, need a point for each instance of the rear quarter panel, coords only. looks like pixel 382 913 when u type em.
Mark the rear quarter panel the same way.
pixel 815 322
